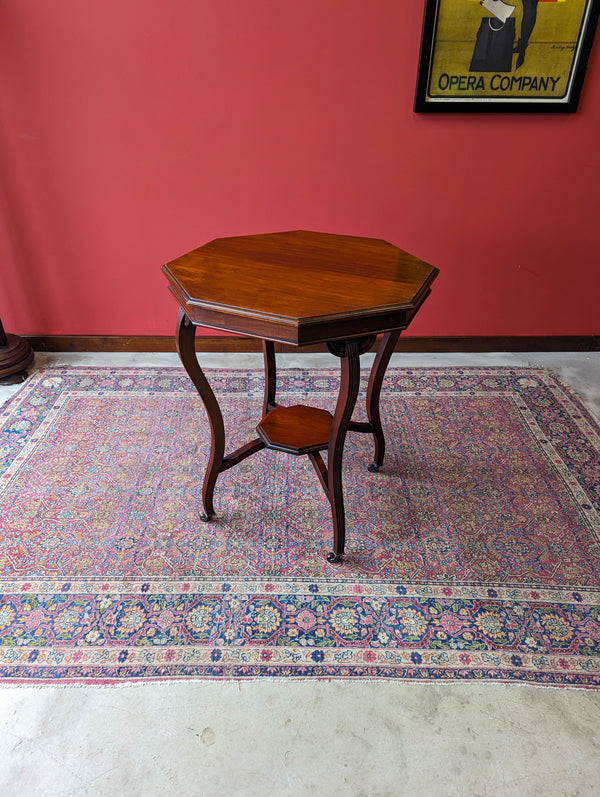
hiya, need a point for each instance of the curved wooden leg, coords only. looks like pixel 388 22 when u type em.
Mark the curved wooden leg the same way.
pixel 186 334
pixel 270 376
pixel 350 382
pixel 385 351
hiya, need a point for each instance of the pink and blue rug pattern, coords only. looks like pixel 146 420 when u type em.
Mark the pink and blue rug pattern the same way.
pixel 473 554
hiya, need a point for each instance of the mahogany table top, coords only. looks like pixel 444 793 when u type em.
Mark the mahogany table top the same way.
pixel 300 287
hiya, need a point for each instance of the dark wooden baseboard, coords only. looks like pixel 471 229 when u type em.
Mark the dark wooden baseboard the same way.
pixel 214 343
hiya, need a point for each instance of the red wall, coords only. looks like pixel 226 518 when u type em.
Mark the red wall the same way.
pixel 131 132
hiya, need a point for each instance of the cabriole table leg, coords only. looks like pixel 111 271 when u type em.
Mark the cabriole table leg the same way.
pixel 269 402
pixel 185 336
pixel 349 384
pixel 380 364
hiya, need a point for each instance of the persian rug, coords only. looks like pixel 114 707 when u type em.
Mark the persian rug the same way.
pixel 472 554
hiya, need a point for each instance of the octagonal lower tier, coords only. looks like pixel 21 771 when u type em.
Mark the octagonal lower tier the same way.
pixel 296 430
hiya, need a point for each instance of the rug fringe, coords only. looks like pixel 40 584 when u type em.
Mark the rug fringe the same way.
pixel 337 683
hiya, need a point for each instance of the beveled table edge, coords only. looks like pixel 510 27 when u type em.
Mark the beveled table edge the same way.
pixel 293 331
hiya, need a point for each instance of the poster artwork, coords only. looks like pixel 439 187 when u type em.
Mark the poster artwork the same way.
pixel 504 50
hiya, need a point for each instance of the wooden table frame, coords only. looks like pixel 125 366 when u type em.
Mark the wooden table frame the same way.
pixel 299 430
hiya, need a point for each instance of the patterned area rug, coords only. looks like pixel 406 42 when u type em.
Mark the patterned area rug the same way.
pixel 472 554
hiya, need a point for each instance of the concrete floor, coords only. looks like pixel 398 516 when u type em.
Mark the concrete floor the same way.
pixel 303 738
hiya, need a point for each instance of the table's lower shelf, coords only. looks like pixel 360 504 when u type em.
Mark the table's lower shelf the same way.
pixel 296 430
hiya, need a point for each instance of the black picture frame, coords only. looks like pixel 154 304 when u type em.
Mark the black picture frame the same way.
pixel 472 60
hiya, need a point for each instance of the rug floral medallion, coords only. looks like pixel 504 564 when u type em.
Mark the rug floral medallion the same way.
pixel 473 554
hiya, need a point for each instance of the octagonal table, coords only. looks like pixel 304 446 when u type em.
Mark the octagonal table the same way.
pixel 299 288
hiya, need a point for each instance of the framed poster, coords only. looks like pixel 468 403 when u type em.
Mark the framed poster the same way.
pixel 504 55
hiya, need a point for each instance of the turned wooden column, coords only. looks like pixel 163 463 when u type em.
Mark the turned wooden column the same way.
pixel 16 355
